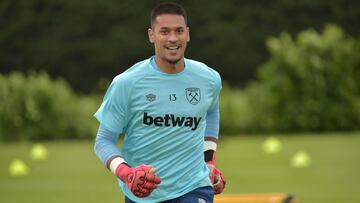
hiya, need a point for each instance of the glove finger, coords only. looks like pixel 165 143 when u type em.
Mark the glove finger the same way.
pixel 138 180
pixel 140 194
pixel 149 186
pixel 149 177
pixel 144 190
pixel 216 179
pixel 147 168
pixel 220 180
pixel 157 180
pixel 140 176
pixel 220 184
pixel 218 191
pixel 152 170
pixel 150 174
pixel 219 187
pixel 153 178
pixel 137 194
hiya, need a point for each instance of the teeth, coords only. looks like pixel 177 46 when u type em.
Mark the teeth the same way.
pixel 173 47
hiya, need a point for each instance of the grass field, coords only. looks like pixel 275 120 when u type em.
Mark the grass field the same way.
pixel 73 174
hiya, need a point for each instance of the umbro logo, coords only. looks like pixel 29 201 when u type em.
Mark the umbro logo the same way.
pixel 150 97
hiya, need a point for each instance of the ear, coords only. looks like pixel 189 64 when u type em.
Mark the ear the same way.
pixel 151 35
pixel 188 34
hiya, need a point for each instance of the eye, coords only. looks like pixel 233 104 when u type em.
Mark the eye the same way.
pixel 180 30
pixel 164 32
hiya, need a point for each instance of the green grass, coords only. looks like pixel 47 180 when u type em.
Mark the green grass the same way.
pixel 73 174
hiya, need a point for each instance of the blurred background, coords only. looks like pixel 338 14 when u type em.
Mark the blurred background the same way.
pixel 290 104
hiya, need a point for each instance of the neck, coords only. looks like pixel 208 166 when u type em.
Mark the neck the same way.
pixel 170 68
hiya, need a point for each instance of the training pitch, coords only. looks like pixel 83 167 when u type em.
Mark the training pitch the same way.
pixel 73 174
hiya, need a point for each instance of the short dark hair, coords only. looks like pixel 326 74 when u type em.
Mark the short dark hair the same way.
pixel 167 8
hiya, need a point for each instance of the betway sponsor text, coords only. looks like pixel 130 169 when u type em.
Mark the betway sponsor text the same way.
pixel 170 120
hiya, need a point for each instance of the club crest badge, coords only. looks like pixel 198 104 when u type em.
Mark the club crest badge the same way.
pixel 193 95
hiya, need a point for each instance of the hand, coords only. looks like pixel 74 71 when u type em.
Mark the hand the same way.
pixel 217 178
pixel 141 180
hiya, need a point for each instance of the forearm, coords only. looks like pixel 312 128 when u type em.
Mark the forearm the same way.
pixel 105 146
pixel 211 132
pixel 213 123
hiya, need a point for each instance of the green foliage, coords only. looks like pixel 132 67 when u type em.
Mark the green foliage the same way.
pixel 93 39
pixel 35 107
pixel 245 111
pixel 314 80
pixel 235 112
pixel 311 83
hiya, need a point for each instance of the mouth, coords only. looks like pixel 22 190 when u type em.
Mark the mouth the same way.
pixel 172 47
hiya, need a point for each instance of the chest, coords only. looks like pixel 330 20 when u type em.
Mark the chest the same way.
pixel 178 97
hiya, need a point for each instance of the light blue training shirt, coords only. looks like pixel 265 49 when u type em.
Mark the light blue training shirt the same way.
pixel 164 118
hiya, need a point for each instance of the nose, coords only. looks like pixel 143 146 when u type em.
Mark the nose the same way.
pixel 172 37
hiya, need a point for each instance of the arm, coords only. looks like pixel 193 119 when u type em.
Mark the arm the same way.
pixel 113 114
pixel 141 180
pixel 211 137
pixel 105 145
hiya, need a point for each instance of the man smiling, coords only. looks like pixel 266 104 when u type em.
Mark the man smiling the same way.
pixel 170 35
pixel 167 106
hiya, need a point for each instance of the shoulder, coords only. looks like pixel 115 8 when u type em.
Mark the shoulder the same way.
pixel 133 74
pixel 123 83
pixel 198 67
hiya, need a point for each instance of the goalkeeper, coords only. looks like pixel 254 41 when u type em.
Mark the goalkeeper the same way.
pixel 168 110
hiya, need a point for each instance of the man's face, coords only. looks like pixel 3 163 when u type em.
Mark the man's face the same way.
pixel 170 35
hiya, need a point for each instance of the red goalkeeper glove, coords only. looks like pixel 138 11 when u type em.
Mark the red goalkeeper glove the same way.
pixel 141 180
pixel 217 178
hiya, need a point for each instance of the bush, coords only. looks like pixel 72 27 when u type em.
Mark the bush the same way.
pixel 245 111
pixel 309 84
pixel 35 107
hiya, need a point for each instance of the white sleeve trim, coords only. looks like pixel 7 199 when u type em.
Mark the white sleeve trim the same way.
pixel 115 163
pixel 209 145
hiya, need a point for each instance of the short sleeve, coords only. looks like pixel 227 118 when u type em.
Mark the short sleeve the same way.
pixel 216 92
pixel 113 111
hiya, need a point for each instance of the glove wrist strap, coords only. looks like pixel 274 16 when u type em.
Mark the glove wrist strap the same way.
pixel 210 152
pixel 115 163
pixel 209 145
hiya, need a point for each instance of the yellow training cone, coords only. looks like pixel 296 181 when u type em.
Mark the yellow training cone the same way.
pixel 38 152
pixel 301 160
pixel 18 168
pixel 272 145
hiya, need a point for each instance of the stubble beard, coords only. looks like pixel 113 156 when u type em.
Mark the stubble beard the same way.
pixel 173 62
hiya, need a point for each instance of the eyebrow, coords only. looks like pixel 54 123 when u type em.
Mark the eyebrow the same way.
pixel 176 28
